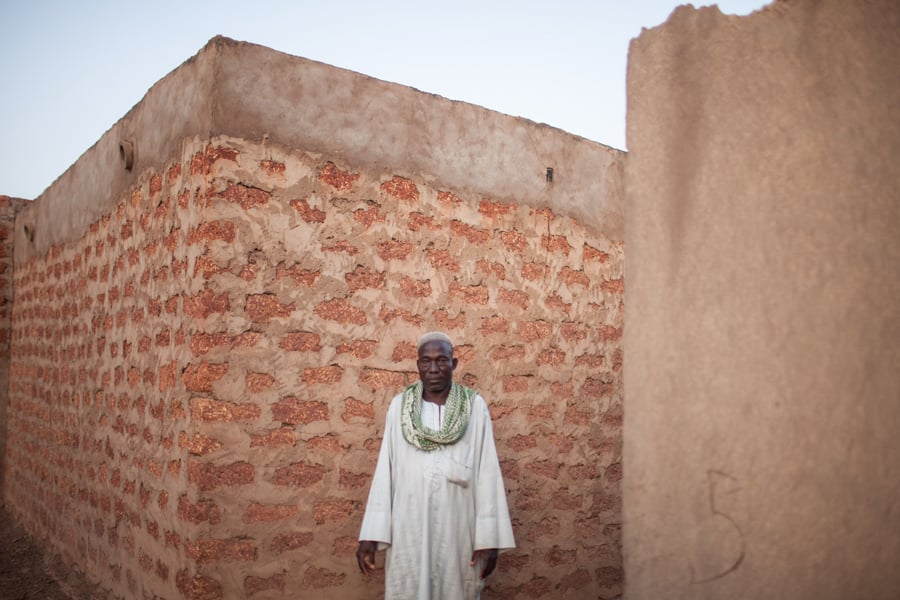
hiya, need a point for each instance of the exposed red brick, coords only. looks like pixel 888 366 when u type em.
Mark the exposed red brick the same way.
pixel 563 500
pixel 415 289
pixel 205 303
pixel 573 331
pixel 341 246
pixel 198 444
pixel 200 377
pixel 340 180
pixel 292 411
pixel 507 352
pixel 491 268
pixel 204 511
pixel 494 324
pixel 592 254
pixel 263 307
pixel 546 527
pixel 353 480
pixel 472 234
pixel 209 409
pixel 475 294
pixel 514 241
pixel 583 471
pixel 363 277
pixel 613 286
pixel 554 300
pixel 317 578
pixel 369 216
pixel 576 580
pixel 333 509
pixel 266 513
pixel 340 310
pixel 213 230
pixel 254 585
pixel 518 443
pixel 167 376
pixel 556 243
pixel 404 351
pixel 572 277
pixel 355 410
pixel 203 161
pixel 345 546
pixel 387 315
pixel 515 383
pixel 393 249
pixel 378 379
pixel 300 341
pixel 208 476
pixel 530 331
pixel 494 209
pixel 283 436
pixel 245 196
pixel 359 348
pixel 442 260
pixel 514 297
pixel 575 417
pixel 448 198
pixel 257 382
pixel 202 343
pixel 613 473
pixel 212 550
pixel 322 375
pixel 297 274
pixel 444 321
pixel 417 221
pixel 598 387
pixel 328 443
pixel 290 541
pixel 299 474
pixel 308 213
pixel 198 587
pixel 617 360
pixel 551 356
pixel 272 167
pixel 401 188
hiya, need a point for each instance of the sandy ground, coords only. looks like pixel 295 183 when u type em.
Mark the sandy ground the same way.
pixel 27 572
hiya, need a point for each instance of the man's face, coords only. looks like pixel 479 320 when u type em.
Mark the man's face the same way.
pixel 436 365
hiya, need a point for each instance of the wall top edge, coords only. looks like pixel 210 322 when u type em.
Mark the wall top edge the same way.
pixel 248 91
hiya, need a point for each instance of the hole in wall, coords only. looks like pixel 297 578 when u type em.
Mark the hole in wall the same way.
pixel 126 154
pixel 549 174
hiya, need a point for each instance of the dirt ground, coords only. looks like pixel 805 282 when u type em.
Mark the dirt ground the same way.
pixel 27 572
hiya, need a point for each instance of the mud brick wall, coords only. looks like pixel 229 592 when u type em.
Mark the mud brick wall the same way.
pixel 8 209
pixel 200 380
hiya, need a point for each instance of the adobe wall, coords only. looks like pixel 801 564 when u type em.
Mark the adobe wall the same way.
pixel 8 209
pixel 202 367
pixel 761 348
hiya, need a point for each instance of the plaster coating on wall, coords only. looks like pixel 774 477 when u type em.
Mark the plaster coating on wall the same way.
pixel 762 353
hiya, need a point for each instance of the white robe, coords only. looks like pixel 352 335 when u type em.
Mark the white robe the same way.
pixel 432 509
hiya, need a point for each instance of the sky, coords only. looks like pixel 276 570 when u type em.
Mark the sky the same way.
pixel 70 70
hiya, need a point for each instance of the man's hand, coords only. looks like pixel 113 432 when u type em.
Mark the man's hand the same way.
pixel 365 556
pixel 490 560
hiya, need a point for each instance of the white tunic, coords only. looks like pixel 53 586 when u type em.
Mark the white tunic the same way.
pixel 432 509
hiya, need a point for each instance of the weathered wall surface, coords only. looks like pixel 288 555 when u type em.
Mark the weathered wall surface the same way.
pixel 8 209
pixel 201 374
pixel 762 353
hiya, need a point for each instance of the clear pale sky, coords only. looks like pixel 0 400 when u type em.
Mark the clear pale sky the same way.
pixel 70 70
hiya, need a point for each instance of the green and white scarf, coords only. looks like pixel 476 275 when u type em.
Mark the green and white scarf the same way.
pixel 458 407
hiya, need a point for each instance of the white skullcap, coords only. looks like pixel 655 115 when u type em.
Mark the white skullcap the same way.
pixel 434 336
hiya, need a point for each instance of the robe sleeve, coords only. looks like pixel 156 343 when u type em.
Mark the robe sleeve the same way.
pixel 493 528
pixel 376 525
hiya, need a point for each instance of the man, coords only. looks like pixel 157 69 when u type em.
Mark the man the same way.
pixel 437 501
